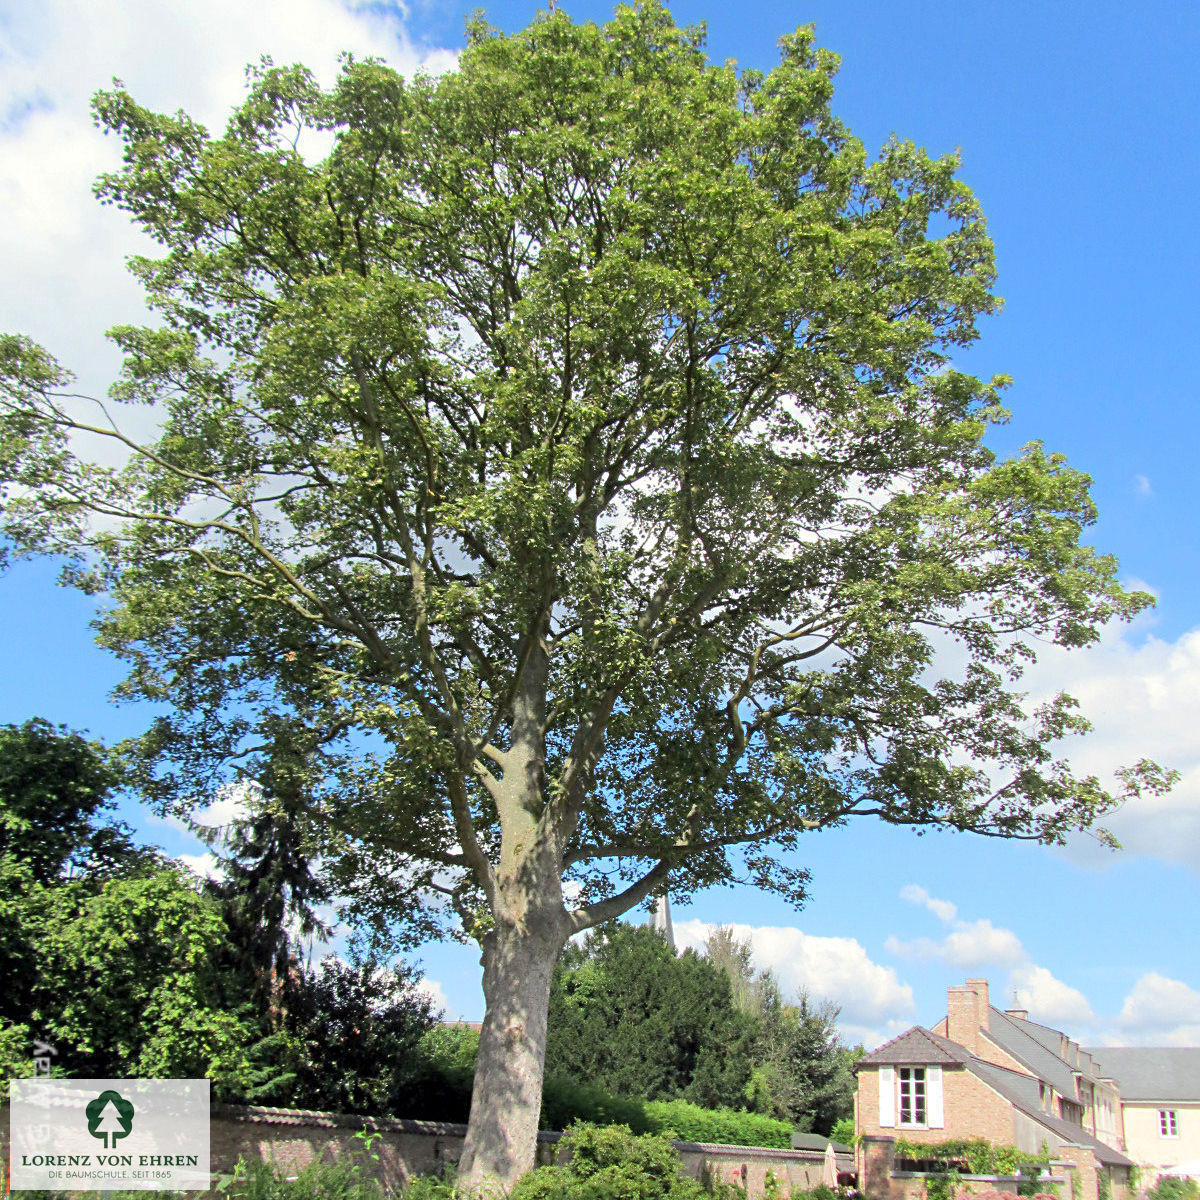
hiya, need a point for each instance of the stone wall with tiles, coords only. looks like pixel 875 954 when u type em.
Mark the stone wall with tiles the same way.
pixel 293 1138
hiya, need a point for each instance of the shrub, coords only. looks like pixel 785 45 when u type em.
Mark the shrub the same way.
pixel 843 1132
pixel 563 1103
pixel 1170 1188
pixel 611 1163
pixel 820 1192
pixel 972 1156
pixel 340 1179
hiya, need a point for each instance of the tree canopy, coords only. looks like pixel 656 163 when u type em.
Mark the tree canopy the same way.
pixel 571 449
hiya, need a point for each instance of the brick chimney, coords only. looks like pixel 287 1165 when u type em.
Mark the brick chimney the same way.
pixel 1022 1014
pixel 967 1013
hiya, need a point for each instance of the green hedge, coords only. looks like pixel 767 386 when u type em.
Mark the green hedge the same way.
pixel 565 1102
pixel 443 1093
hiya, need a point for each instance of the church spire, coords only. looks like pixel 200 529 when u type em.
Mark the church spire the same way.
pixel 661 921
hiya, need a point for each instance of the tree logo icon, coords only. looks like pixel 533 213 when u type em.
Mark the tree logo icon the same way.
pixel 109 1117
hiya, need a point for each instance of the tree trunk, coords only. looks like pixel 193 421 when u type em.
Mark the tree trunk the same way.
pixel 506 1102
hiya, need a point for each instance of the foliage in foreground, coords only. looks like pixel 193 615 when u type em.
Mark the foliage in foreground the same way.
pixel 1170 1188
pixel 610 1163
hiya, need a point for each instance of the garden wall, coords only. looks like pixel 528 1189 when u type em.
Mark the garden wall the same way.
pixel 292 1138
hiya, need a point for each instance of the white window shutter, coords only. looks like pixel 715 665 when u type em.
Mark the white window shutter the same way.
pixel 887 1097
pixel 936 1116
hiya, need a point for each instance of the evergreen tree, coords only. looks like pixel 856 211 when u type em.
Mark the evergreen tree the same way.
pixel 270 881
pixel 801 1073
pixel 628 1016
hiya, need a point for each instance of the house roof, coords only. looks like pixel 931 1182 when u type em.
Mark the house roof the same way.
pixel 1015 1088
pixel 1152 1072
pixel 1011 1034
pixel 916 1045
pixel 1052 1040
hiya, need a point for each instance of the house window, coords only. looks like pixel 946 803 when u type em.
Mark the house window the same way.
pixel 1166 1122
pixel 911 1084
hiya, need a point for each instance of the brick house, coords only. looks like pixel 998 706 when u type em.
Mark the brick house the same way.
pixel 982 1072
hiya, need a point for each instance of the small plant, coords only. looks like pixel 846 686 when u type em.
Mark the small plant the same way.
pixel 772 1188
pixel 943 1185
pixel 367 1139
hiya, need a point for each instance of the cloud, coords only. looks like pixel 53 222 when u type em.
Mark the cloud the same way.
pixel 433 989
pixel 231 804
pixel 944 910
pixel 827 968
pixel 1141 485
pixel 1049 999
pixel 1143 699
pixel 1161 1011
pixel 970 945
pixel 63 252
pixel 204 865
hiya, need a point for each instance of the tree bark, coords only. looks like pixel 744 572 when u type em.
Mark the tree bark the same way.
pixel 501 1143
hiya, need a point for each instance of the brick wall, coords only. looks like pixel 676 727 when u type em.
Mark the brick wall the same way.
pixel 293 1138
pixel 880 1180
pixel 971 1109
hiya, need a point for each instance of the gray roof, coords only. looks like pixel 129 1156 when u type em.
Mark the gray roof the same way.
pixel 1015 1085
pixel 916 1045
pixel 1052 1040
pixel 1152 1072
pixel 1016 1089
pixel 814 1141
pixel 1011 1034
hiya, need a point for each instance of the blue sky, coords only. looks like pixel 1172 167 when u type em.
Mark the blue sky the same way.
pixel 1078 129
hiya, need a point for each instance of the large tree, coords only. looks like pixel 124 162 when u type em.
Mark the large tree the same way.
pixel 574 439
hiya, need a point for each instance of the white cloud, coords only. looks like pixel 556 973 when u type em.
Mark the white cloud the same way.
pixel 972 944
pixel 969 945
pixel 1161 1011
pixel 944 910
pixel 204 865
pixel 1141 485
pixel 231 804
pixel 828 968
pixel 1143 697
pixel 433 989
pixel 1048 999
pixel 63 253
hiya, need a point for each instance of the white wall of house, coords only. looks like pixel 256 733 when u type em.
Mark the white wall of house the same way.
pixel 1156 1141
